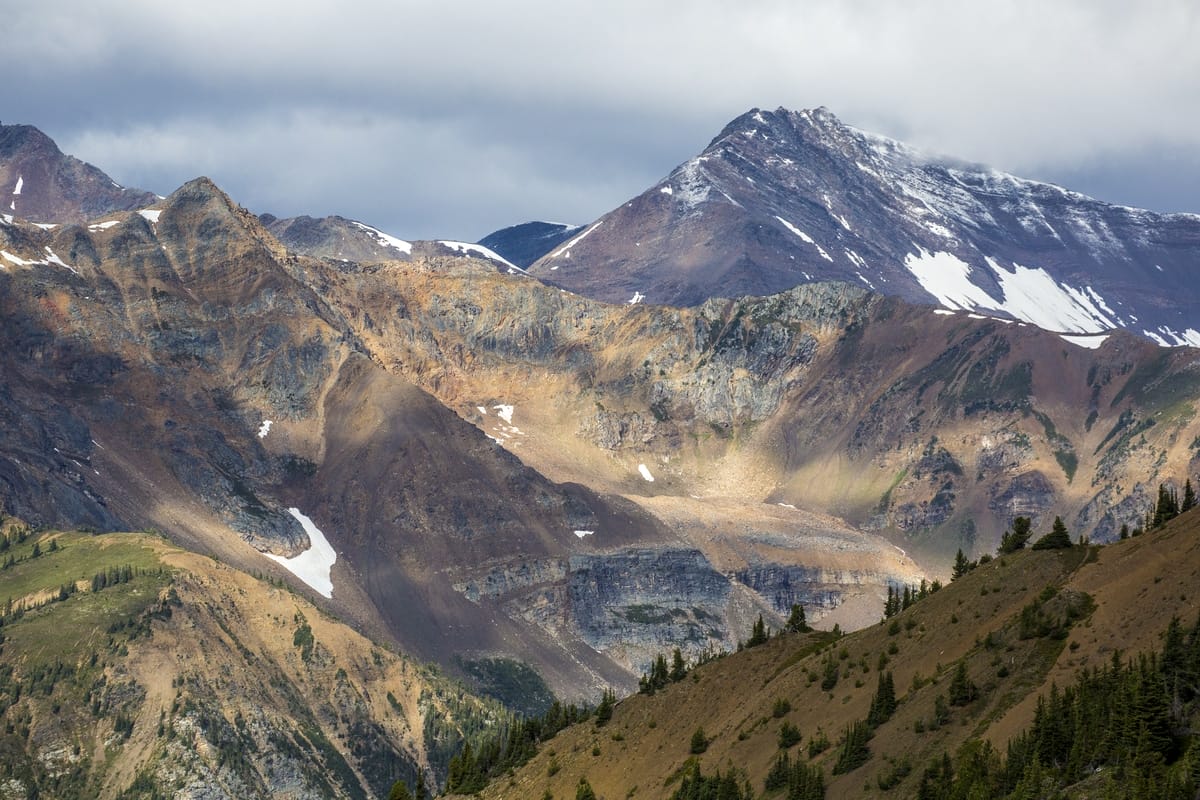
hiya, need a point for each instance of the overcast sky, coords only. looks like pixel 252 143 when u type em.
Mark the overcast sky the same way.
pixel 451 119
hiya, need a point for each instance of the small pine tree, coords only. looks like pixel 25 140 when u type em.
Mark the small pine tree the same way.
pixel 678 668
pixel 758 633
pixel 1189 497
pixel 961 565
pixel 1056 539
pixel 962 691
pixel 796 621
pixel 604 711
pixel 399 791
pixel 699 742
pixel 583 791
pixel 1014 540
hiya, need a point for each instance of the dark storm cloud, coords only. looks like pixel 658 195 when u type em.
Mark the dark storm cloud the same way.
pixel 433 119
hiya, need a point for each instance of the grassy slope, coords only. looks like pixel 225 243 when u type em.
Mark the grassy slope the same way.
pixel 1134 588
pixel 193 674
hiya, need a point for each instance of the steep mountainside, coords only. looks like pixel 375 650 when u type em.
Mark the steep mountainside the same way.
pixel 783 198
pixel 132 668
pixel 1021 626
pixel 41 184
pixel 175 368
pixel 936 427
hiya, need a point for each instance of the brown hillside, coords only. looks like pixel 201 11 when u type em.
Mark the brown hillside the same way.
pixel 1135 587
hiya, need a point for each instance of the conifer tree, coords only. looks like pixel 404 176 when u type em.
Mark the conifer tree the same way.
pixel 1189 497
pixel 758 633
pixel 678 668
pixel 961 565
pixel 1014 540
pixel 796 621
pixel 1057 539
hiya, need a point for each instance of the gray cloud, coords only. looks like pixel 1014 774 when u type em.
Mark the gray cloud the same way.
pixel 436 119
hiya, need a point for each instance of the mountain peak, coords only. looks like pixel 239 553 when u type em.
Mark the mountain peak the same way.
pixel 783 197
pixel 39 183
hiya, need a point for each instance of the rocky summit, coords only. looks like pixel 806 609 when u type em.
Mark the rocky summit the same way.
pixel 780 198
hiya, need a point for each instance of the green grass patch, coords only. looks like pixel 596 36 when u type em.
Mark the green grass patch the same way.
pixel 79 556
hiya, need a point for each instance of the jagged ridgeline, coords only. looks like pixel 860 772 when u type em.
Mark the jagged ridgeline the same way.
pixel 1065 670
pixel 132 668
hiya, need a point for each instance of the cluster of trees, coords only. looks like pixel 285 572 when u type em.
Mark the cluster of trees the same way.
pixel 511 747
pixel 660 676
pixel 899 600
pixel 802 781
pixel 695 785
pixel 1129 722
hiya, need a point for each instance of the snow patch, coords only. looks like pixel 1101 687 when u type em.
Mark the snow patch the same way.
pixel 943 312
pixel 386 239
pixel 642 468
pixel 482 410
pixel 264 429
pixel 151 215
pixel 566 248
pixel 1090 342
pixel 103 226
pixel 940 230
pixel 52 258
pixel 856 259
pixel 20 183
pixel 313 565
pixel 637 298
pixel 667 190
pixel 1030 294
pixel 504 412
pixel 582 534
pixel 463 247
pixel 46 226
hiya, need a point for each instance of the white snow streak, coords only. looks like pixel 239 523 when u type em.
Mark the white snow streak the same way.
pixel 504 412
pixel 463 247
pixel 103 226
pixel 642 468
pixel 667 190
pixel 151 214
pixel 20 183
pixel 386 239
pixel 264 429
pixel 637 298
pixel 582 534
pixel 806 238
pixel 313 565
pixel 566 248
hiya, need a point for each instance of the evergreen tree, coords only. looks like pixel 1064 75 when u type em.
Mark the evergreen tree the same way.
pixel 1056 539
pixel 758 633
pixel 883 704
pixel 699 742
pixel 1189 497
pixel 962 691
pixel 961 565
pixel 583 791
pixel 1014 540
pixel 400 791
pixel 1166 508
pixel 796 622
pixel 854 751
pixel 678 668
pixel 604 711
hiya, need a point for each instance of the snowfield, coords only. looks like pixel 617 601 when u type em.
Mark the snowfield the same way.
pixel 313 565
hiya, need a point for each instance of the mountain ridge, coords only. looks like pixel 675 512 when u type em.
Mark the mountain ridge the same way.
pixel 780 198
